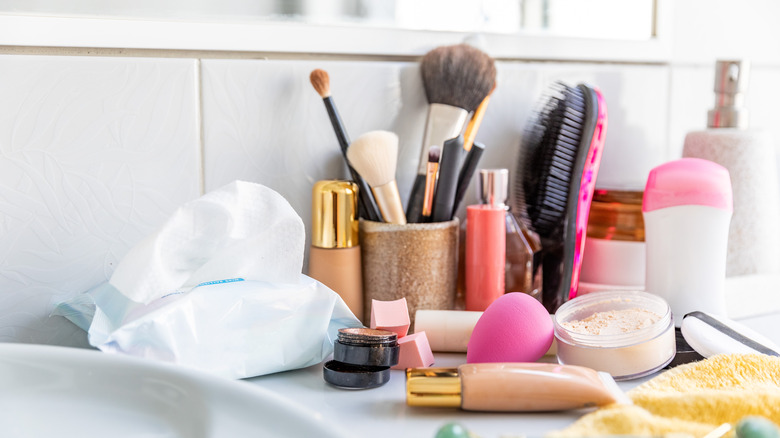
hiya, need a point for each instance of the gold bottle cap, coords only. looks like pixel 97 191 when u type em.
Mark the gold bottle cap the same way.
pixel 437 387
pixel 334 221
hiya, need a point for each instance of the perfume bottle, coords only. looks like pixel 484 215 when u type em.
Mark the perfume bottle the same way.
pixel 523 266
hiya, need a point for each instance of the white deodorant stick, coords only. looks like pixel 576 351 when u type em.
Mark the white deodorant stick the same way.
pixel 687 209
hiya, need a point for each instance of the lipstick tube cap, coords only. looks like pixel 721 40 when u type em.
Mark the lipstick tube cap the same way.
pixel 334 214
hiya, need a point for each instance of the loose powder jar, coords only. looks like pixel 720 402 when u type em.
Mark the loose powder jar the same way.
pixel 628 334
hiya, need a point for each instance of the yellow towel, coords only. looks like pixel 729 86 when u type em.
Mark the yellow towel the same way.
pixel 692 399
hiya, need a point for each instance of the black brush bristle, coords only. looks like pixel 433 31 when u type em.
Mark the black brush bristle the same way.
pixel 458 75
pixel 548 158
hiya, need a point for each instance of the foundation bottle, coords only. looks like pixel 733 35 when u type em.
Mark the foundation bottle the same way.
pixel 334 256
pixel 511 387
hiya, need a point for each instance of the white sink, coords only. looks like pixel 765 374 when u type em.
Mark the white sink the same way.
pixel 50 391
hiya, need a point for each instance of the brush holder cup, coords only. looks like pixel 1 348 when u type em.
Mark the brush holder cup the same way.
pixel 418 262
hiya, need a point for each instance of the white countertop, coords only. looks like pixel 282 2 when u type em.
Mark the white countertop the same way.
pixel 382 412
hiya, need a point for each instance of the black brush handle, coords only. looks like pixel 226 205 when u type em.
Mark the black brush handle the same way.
pixel 470 164
pixel 367 208
pixel 415 206
pixel 447 184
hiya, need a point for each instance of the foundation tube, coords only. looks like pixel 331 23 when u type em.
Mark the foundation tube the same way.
pixel 512 387
pixel 334 256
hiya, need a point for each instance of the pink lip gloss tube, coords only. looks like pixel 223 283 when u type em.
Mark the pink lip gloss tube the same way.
pixel 485 248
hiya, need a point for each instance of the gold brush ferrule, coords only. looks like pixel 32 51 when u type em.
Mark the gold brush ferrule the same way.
pixel 389 202
pixel 433 387
pixel 334 221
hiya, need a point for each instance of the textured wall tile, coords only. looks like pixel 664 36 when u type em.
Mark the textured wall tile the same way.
pixel 94 154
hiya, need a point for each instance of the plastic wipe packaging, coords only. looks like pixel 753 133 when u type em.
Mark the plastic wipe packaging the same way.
pixel 218 288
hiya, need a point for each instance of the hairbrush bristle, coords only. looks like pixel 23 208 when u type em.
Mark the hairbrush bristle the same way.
pixel 374 155
pixel 459 76
pixel 548 158
pixel 433 154
pixel 321 82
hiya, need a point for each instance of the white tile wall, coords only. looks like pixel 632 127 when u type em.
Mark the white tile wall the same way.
pixel 94 154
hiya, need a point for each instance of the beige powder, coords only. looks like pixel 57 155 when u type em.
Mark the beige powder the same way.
pixel 613 322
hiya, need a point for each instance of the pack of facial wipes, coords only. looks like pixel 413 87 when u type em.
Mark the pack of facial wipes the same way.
pixel 218 288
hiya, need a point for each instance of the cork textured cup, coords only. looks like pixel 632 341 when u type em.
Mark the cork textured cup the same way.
pixel 415 261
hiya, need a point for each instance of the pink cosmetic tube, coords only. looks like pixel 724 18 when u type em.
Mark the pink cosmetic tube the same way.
pixel 485 255
pixel 512 387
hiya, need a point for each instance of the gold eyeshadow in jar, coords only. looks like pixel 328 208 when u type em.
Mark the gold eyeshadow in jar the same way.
pixel 628 334
pixel 362 358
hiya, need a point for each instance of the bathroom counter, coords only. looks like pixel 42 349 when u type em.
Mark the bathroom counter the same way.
pixel 382 412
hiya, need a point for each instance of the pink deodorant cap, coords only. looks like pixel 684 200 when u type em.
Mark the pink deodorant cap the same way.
pixel 392 316
pixel 688 181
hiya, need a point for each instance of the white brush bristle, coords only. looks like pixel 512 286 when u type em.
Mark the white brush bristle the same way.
pixel 375 155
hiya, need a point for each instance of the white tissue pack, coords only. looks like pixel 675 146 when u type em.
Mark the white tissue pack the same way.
pixel 218 288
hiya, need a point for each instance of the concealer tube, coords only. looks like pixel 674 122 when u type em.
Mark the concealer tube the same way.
pixel 334 256
pixel 511 387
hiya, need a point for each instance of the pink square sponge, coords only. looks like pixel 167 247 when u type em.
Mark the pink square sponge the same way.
pixel 392 316
pixel 415 352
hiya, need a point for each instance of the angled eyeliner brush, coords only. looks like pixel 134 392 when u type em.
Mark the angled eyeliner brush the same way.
pixel 367 208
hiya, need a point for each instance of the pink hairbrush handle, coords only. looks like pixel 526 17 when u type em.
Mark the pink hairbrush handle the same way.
pixel 587 187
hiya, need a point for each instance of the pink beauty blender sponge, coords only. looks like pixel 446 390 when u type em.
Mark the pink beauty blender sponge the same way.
pixel 514 328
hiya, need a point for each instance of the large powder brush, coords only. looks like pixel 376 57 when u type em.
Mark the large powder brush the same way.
pixel 456 80
pixel 375 155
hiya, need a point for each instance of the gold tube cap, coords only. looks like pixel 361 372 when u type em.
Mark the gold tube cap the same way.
pixel 334 221
pixel 433 387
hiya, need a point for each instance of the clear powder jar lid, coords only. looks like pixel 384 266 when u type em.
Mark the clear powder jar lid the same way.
pixel 587 305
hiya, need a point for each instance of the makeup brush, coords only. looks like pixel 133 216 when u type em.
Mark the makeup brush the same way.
pixel 321 83
pixel 456 80
pixel 375 155
pixel 476 121
pixel 470 164
pixel 447 184
pixel 430 181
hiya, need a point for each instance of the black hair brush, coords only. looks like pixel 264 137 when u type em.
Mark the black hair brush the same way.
pixel 559 162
